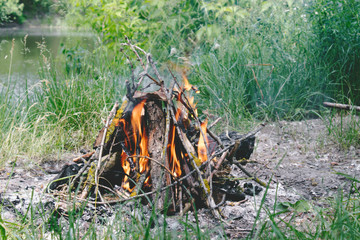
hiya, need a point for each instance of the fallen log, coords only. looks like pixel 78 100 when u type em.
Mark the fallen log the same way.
pixel 341 106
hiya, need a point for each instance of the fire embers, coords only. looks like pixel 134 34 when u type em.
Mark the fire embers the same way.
pixel 134 143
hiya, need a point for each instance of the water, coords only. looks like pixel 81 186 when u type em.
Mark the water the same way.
pixel 21 70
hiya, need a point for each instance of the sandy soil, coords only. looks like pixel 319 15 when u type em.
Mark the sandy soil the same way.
pixel 300 158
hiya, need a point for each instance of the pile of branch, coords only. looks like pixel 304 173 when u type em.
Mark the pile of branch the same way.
pixel 120 168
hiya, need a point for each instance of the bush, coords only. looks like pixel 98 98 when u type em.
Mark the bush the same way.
pixel 20 10
pixel 10 10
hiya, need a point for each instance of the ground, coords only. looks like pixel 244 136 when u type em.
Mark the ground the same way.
pixel 300 158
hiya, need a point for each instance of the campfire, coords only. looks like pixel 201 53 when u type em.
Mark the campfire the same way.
pixel 154 146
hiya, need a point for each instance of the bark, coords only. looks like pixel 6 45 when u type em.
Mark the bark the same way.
pixel 156 132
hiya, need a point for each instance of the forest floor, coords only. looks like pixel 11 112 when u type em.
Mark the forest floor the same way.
pixel 299 159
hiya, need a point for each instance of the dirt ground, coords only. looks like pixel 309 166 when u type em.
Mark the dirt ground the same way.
pixel 300 157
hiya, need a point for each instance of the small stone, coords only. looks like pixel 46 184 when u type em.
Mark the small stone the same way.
pixel 313 182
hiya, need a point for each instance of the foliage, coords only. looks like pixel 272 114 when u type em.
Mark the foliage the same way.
pixel 20 10
pixel 145 22
pixel 63 110
pixel 204 32
pixel 251 59
pixel 10 10
pixel 33 8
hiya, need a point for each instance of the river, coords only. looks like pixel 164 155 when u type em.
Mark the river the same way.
pixel 20 51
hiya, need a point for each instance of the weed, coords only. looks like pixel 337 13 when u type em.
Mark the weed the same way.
pixel 344 128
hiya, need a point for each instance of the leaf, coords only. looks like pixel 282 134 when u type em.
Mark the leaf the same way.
pixel 302 206
pixel 213 31
pixel 2 230
pixel 283 206
pixel 200 33
pixel 266 5
pixel 299 206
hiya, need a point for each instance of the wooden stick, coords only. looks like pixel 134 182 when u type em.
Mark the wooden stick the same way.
pixel 214 123
pixel 136 53
pixel 180 201
pixel 250 175
pixel 112 113
pixel 210 200
pixel 85 156
pixel 342 106
pixel 153 65
pixel 82 170
pixel 215 137
pixel 155 161
pixel 177 181
pixel 144 194
pixel 218 164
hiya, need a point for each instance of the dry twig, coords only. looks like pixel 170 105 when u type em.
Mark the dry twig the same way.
pixel 112 113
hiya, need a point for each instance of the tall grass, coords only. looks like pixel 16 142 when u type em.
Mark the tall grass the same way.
pixel 266 67
pixel 336 27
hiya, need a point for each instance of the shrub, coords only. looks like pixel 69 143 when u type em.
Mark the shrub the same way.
pixel 10 10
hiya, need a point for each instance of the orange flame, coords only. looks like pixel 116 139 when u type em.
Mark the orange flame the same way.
pixel 174 161
pixel 202 152
pixel 193 105
pixel 126 166
pixel 136 141
pixel 188 86
pixel 139 133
